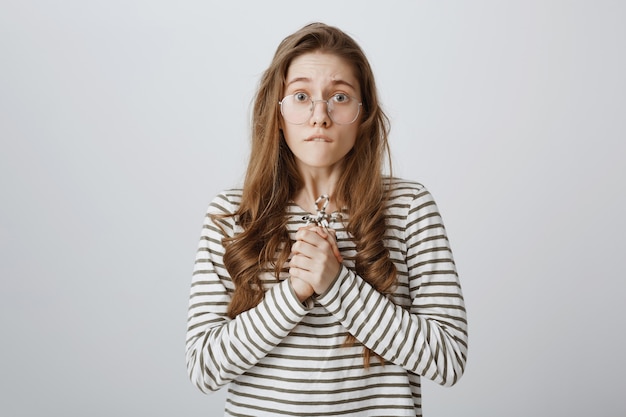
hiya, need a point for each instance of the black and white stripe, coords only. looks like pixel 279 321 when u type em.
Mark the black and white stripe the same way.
pixel 283 358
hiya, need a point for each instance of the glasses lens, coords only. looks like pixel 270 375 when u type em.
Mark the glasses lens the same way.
pixel 296 111
pixel 341 108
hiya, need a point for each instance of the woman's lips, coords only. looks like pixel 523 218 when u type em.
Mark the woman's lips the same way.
pixel 318 138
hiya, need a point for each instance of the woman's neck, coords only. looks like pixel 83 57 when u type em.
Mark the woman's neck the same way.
pixel 315 185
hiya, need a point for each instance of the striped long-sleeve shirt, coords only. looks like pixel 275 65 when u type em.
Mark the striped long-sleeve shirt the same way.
pixel 287 358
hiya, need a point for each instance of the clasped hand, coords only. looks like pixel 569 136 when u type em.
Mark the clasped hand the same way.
pixel 315 261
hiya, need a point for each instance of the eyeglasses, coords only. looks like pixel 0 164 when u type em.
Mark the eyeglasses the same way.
pixel 298 108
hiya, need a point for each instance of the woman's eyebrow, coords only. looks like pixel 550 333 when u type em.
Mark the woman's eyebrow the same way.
pixel 297 80
pixel 343 82
pixel 306 79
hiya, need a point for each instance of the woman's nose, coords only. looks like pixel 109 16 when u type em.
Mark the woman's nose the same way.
pixel 319 113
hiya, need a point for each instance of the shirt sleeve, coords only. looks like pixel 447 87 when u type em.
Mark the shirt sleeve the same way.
pixel 430 337
pixel 218 348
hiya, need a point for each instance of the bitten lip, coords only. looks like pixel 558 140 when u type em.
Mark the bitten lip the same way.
pixel 318 138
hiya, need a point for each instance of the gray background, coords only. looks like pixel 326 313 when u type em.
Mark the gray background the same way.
pixel 120 120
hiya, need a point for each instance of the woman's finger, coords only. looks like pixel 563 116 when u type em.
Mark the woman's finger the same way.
pixel 332 238
pixel 329 235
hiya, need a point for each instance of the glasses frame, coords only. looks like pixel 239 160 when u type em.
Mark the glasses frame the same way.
pixel 313 102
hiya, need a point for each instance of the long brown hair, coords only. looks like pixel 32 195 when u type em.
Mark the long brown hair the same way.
pixel 272 178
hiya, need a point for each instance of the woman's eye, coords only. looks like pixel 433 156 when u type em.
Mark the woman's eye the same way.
pixel 340 98
pixel 300 97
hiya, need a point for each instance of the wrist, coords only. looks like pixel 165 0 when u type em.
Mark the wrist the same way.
pixel 301 289
pixel 332 283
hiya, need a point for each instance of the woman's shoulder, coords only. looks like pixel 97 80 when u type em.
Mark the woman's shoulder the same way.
pixel 403 189
pixel 407 198
pixel 227 201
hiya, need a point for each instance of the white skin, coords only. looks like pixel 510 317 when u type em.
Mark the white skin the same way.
pixel 320 147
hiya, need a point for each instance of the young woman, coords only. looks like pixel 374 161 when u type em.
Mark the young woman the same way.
pixel 323 287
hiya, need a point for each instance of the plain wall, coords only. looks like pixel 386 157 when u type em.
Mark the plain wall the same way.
pixel 120 120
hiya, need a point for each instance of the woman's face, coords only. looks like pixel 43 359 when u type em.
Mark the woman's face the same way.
pixel 320 142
